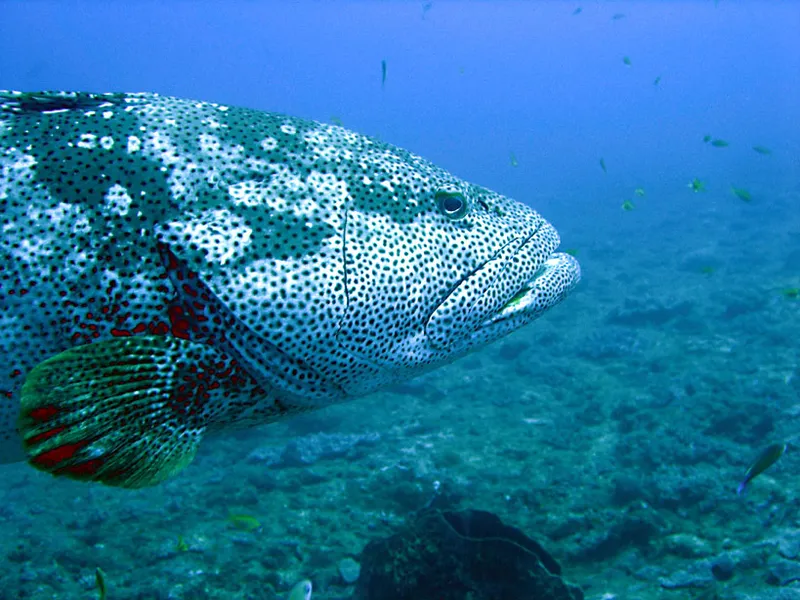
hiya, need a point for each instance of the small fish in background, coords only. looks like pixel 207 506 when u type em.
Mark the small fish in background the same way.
pixel 572 251
pixel 718 143
pixel 792 293
pixel 383 73
pixel 243 522
pixel 603 165
pixel 336 120
pixel 639 192
pixel 100 581
pixel 577 11
pixel 513 158
pixel 617 16
pixel 301 591
pixel 657 81
pixel 626 60
pixel 426 6
pixel 708 270
pixel 696 185
pixel 741 193
pixel 762 150
pixel 764 461
pixel 628 205
pixel 181 546
pixel 706 138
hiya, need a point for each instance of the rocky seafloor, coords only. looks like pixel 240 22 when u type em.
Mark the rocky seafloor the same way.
pixel 613 432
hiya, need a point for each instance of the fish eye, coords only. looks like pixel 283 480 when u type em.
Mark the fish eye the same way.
pixel 454 206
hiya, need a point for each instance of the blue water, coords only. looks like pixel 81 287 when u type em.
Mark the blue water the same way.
pixel 600 393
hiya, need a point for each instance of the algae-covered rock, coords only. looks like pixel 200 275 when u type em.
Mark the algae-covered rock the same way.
pixel 723 567
pixel 453 555
pixel 687 545
pixel 349 570
pixel 696 575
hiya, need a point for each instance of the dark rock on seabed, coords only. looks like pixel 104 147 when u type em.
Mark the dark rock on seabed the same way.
pixel 454 555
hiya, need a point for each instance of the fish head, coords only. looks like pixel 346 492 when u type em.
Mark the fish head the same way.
pixel 360 264
pixel 437 267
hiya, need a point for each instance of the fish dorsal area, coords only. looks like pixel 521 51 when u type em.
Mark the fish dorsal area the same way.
pixel 157 216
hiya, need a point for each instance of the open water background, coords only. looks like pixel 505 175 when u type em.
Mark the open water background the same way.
pixel 614 430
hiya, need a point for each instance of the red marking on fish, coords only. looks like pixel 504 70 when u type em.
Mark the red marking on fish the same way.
pixel 46 435
pixel 43 413
pixel 180 325
pixel 58 455
pixel 160 328
pixel 90 467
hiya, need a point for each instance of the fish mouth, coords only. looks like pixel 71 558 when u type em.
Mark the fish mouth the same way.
pixel 521 281
pixel 548 286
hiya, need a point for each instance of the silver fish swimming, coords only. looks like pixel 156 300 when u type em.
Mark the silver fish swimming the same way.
pixel 172 268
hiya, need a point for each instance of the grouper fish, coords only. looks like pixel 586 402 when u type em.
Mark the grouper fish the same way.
pixel 172 268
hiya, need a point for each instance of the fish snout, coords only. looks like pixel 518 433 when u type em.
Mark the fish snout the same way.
pixel 519 283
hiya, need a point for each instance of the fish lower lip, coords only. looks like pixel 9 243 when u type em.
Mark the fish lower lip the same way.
pixel 522 298
pixel 548 286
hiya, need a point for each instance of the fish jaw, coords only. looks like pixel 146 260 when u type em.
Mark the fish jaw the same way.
pixel 525 280
pixel 548 286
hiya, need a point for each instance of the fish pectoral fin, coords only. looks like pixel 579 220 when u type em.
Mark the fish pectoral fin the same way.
pixel 127 412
